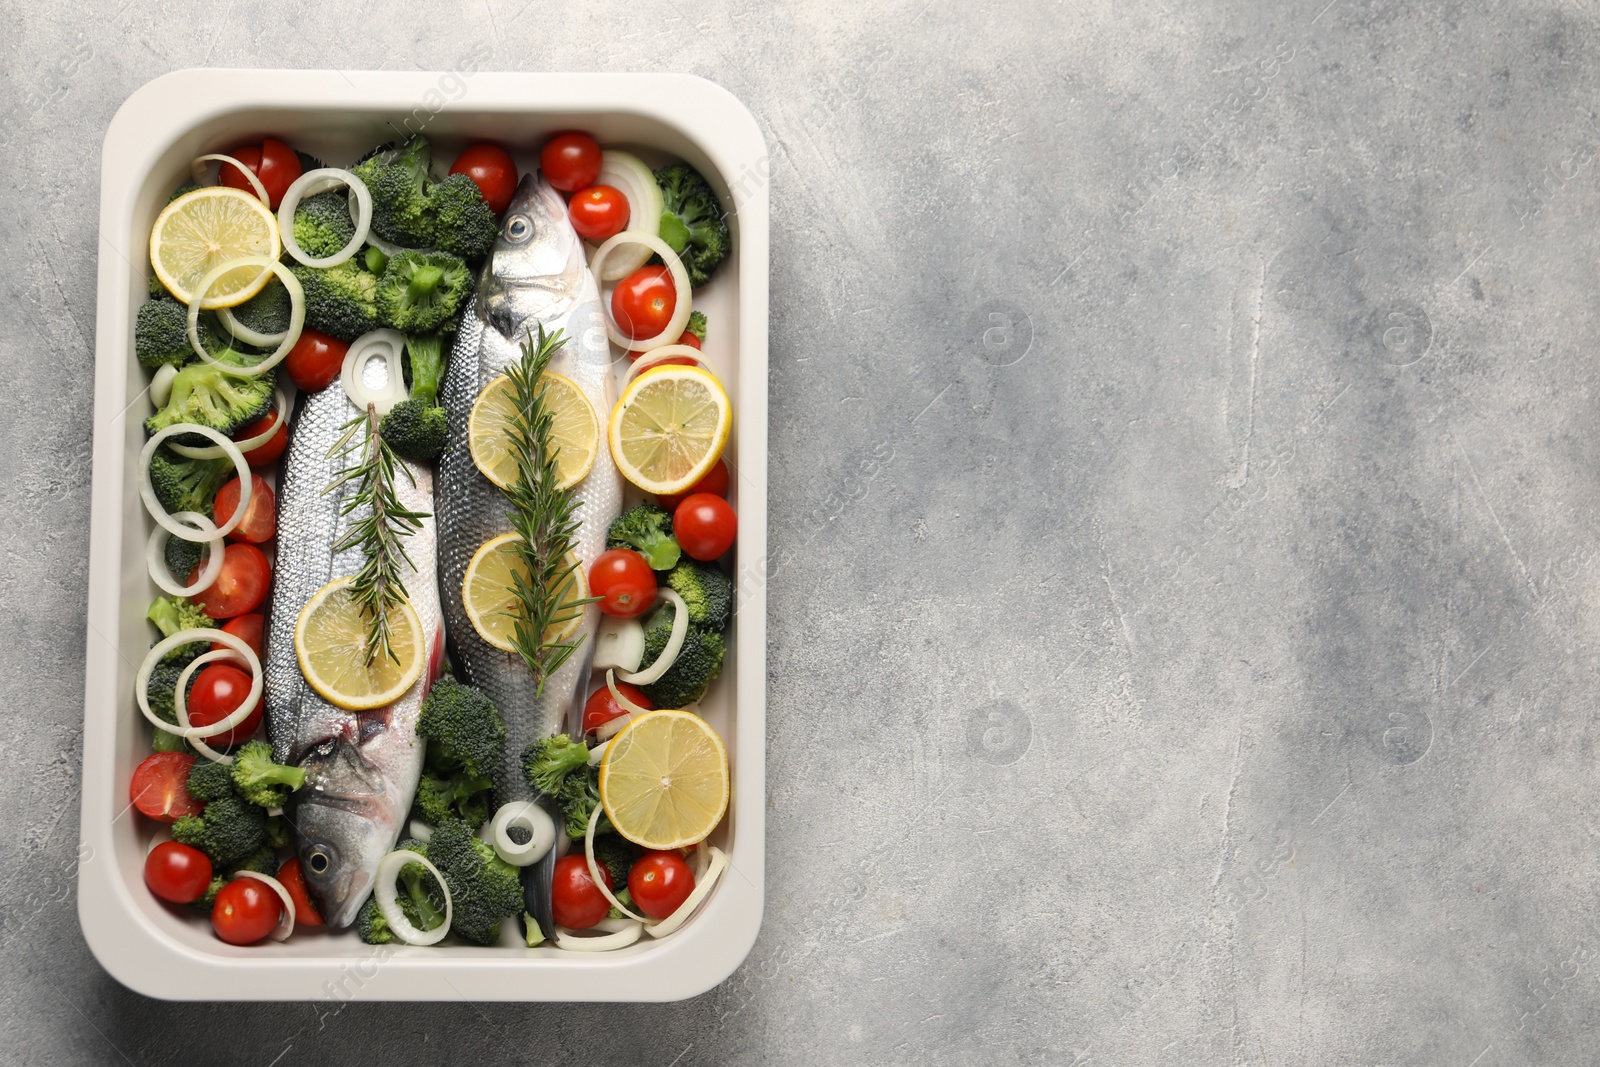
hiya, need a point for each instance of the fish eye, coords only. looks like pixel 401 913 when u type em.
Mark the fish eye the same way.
pixel 518 227
pixel 319 860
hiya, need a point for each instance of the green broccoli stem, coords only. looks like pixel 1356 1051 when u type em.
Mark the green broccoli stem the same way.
pixel 426 352
pixel 424 280
pixel 412 875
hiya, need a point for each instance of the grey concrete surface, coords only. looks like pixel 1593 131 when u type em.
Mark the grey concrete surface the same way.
pixel 1184 485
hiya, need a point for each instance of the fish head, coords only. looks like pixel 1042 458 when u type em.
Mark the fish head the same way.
pixel 537 263
pixel 345 824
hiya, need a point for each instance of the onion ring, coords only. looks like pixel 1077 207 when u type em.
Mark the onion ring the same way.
pixel 573 941
pixel 531 817
pixel 385 893
pixel 669 655
pixel 657 356
pixel 387 345
pixel 625 172
pixel 594 868
pixel 197 171
pixel 324 179
pixel 297 314
pixel 141 681
pixel 156 563
pixel 680 283
pixel 285 925
pixel 280 404
pixel 147 489
pixel 180 701
pixel 161 384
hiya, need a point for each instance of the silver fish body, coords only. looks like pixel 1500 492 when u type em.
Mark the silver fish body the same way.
pixel 535 276
pixel 361 768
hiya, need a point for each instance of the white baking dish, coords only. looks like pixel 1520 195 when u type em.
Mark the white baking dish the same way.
pixel 170 952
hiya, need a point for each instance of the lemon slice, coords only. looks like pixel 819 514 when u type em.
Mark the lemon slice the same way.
pixel 492 606
pixel 670 427
pixel 664 780
pixel 204 229
pixel 574 430
pixel 330 639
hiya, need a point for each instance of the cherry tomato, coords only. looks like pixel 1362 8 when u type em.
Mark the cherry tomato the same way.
pixel 704 525
pixel 240 587
pixel 177 872
pixel 218 690
pixel 262 455
pixel 715 481
pixel 247 628
pixel 643 302
pixel 659 883
pixel 272 161
pixel 314 361
pixel 160 787
pixel 570 161
pixel 494 171
pixel 246 911
pixel 625 582
pixel 598 212
pixel 260 518
pixel 689 339
pixel 305 912
pixel 602 707
pixel 575 901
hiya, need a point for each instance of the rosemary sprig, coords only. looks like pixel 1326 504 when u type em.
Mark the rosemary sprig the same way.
pixel 541 514
pixel 377 586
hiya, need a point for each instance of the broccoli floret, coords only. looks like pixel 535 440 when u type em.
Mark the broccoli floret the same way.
pixel 457 796
pixel 227 829
pixel 163 687
pixel 416 427
pixel 647 529
pixel 207 395
pixel 692 221
pixel 164 741
pixel 422 292
pixel 697 325
pixel 263 860
pixel 183 190
pixel 463 728
pixel 616 854
pixel 697 666
pixel 483 887
pixel 173 614
pixel 161 334
pixel 412 210
pixel 261 781
pixel 579 796
pixel 322 223
pixel 210 781
pixel 182 557
pixel 205 900
pixel 547 763
pixel 184 484
pixel 340 301
pixel 266 312
pixel 418 896
pixel 156 290
pixel 706 591
pixel 463 222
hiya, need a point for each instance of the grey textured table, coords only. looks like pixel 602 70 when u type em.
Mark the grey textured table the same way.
pixel 1183 478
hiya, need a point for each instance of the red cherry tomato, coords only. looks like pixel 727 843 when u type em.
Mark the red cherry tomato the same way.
pixel 494 171
pixel 602 707
pixel 314 361
pixel 689 339
pixel 177 872
pixel 305 912
pixel 218 690
pixel 659 883
pixel 704 525
pixel 598 212
pixel 643 302
pixel 715 481
pixel 570 161
pixel 246 911
pixel 240 587
pixel 260 518
pixel 262 455
pixel 272 161
pixel 625 582
pixel 160 787
pixel 247 628
pixel 575 901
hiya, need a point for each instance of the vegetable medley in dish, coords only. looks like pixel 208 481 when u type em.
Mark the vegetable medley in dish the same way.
pixel 440 520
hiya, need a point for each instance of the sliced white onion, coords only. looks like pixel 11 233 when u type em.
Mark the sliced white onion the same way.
pixel 147 489
pixel 162 835
pixel 574 941
pixel 669 655
pixel 285 925
pixel 387 345
pixel 388 248
pixel 702 888
pixel 594 868
pixel 297 314
pixel 616 694
pixel 388 898
pixel 680 283
pixel 323 180
pixel 180 702
pixel 420 830
pixel 161 384
pixel 597 754
pixel 156 562
pixel 657 356
pixel 246 334
pixel 280 404
pixel 532 818
pixel 198 171
pixel 627 174
pixel 609 729
pixel 619 643
pixel 141 681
